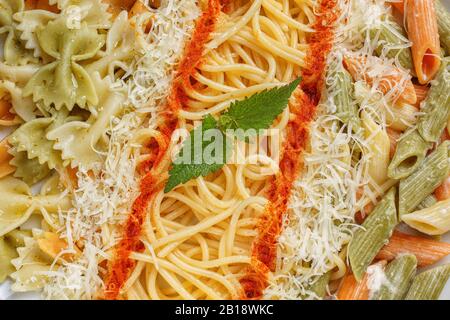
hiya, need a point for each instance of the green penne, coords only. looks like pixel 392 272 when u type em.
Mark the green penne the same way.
pixel 346 108
pixel 427 202
pixel 399 274
pixel 409 154
pixel 429 284
pixel 390 37
pixel 436 106
pixel 375 232
pixel 428 176
pixel 443 18
pixel 319 287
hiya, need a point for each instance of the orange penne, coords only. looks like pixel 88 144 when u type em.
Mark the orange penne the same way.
pixel 5 158
pixel 423 32
pixel 391 79
pixel 443 191
pixel 400 5
pixel 394 136
pixel 421 93
pixel 350 289
pixel 353 290
pixel 427 251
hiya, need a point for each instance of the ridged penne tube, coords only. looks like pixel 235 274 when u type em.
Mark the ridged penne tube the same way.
pixel 390 37
pixel 443 20
pixel 379 148
pixel 351 289
pixel 394 137
pixel 427 177
pixel 319 287
pixel 375 231
pixel 399 274
pixel 427 202
pixel 422 26
pixel 409 154
pixel 427 251
pixel 429 284
pixel 346 109
pixel 443 191
pixel 401 116
pixel 421 93
pixel 389 79
pixel 5 158
pixel 436 106
pixel 434 220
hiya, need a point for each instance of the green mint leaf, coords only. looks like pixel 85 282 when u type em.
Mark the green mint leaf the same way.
pixel 258 111
pixel 205 151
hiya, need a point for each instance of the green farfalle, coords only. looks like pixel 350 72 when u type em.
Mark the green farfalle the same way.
pixel 29 170
pixel 64 82
pixel 14 51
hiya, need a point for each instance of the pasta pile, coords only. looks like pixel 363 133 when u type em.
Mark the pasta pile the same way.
pixel 100 98
pixel 381 135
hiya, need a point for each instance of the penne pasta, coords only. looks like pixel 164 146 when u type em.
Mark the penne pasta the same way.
pixel 379 148
pixel 421 93
pixel 436 106
pixel 427 202
pixel 399 274
pixel 443 20
pixel 427 251
pixel 422 27
pixel 346 109
pixel 401 116
pixel 443 191
pixel 425 179
pixel 5 158
pixel 429 284
pixel 434 220
pixel 351 289
pixel 409 154
pixel 394 137
pixel 372 236
pixel 392 80
pixel 320 286
pixel 391 40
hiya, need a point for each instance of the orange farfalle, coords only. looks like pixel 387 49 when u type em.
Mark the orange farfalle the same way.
pixel 5 158
pixel 390 81
pixel 427 251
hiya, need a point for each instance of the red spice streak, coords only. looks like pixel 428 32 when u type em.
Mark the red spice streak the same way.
pixel 122 266
pixel 265 246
